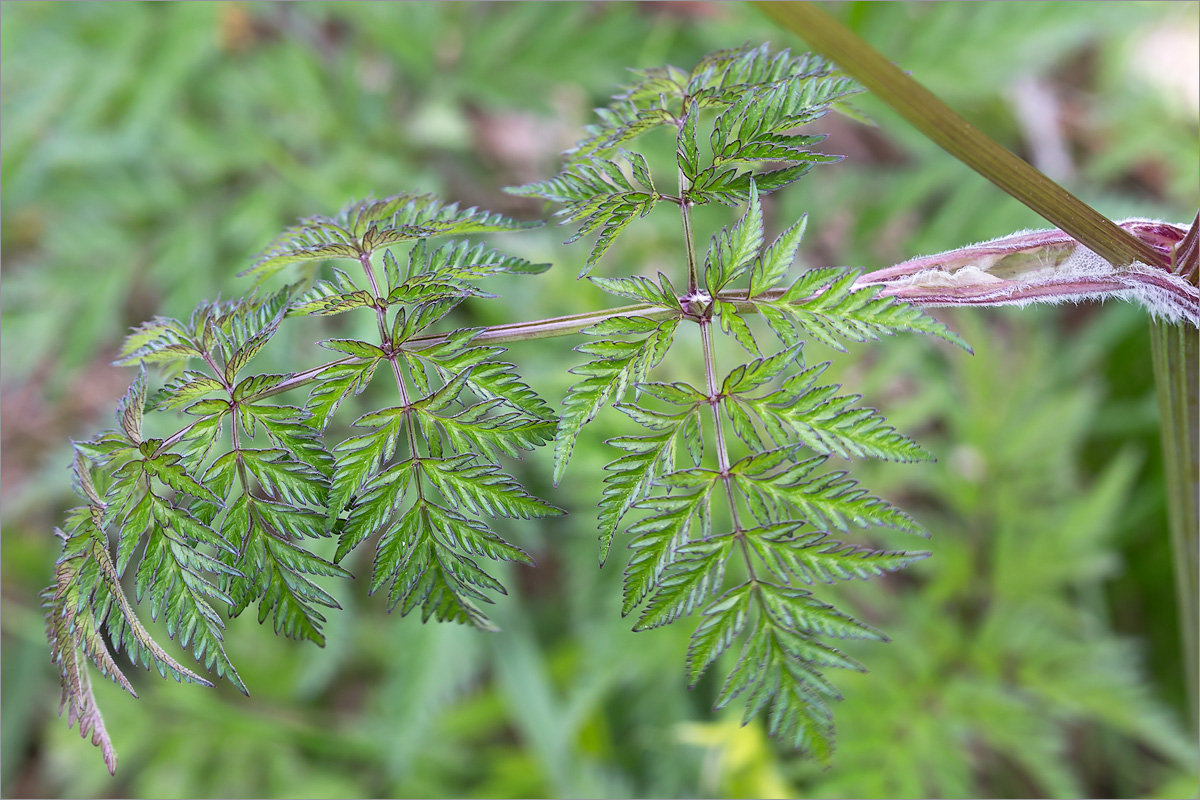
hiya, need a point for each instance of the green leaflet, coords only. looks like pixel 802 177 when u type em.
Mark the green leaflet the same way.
pixel 831 501
pixel 596 194
pixel 328 298
pixel 755 108
pixel 722 621
pixel 130 409
pixel 815 558
pixel 356 348
pixel 482 488
pixel 179 582
pixel 771 674
pixel 801 411
pixel 460 261
pixel 754 128
pixel 642 289
pixel 734 250
pixel 478 430
pixel 365 226
pixel 694 578
pixel 775 261
pixel 272 569
pixel 427 553
pixel 619 364
pixel 632 474
pixel 286 478
pixel 660 539
pixel 256 560
pixel 85 599
pixel 334 385
pixel 730 187
pixel 216 517
pixel 733 324
pixel 177 578
pixel 288 429
pixel 659 96
pixel 741 576
pixel 425 556
pixel 425 477
pixel 824 304
pixel 183 390
pixel 372 510
pixel 486 377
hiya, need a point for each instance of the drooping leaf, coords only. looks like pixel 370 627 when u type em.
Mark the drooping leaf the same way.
pixel 723 620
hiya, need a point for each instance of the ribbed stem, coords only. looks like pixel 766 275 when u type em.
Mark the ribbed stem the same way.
pixel 1176 351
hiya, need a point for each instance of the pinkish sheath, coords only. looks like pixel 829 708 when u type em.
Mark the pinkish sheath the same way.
pixel 1043 267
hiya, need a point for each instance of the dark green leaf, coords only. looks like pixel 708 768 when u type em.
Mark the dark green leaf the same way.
pixel 606 380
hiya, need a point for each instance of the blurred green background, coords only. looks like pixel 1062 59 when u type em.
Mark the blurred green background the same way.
pixel 149 151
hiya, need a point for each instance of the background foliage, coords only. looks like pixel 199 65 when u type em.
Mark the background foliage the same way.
pixel 150 151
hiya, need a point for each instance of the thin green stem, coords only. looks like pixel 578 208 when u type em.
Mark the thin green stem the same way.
pixel 689 244
pixel 380 308
pixel 393 358
pixel 546 328
pixel 299 379
pixel 714 403
pixel 234 428
pixel 496 334
pixel 710 368
pixel 234 432
pixel 219 373
pixel 714 393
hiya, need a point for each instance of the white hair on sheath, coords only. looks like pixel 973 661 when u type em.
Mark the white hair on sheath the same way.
pixel 1165 295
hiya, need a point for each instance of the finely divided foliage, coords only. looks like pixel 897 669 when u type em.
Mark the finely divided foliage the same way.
pixel 734 528
pixel 726 497
pixel 223 513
